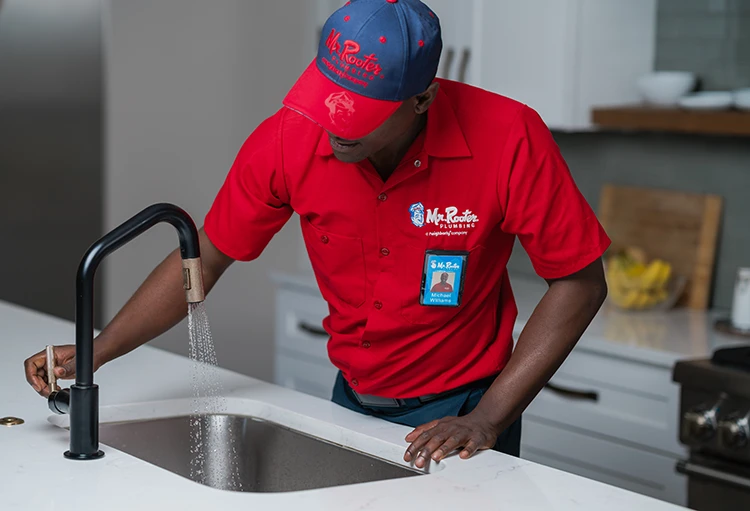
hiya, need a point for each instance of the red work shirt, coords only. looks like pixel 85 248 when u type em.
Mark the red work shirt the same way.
pixel 442 288
pixel 484 172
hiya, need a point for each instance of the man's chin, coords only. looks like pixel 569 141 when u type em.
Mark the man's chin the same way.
pixel 349 157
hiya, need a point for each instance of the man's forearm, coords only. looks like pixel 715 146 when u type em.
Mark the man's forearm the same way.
pixel 554 328
pixel 157 305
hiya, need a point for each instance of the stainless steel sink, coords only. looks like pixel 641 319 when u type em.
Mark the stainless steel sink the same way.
pixel 246 454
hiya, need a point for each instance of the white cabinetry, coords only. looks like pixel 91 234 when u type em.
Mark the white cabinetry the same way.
pixel 301 356
pixel 457 24
pixel 612 420
pixel 561 57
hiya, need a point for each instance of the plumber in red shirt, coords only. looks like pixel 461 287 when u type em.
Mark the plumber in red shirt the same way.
pixel 397 175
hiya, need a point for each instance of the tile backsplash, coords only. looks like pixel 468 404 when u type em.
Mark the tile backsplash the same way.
pixel 708 37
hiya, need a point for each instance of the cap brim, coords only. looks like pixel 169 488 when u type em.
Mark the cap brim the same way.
pixel 339 111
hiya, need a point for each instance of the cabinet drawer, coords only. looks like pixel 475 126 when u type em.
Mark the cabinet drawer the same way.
pixel 299 327
pixel 619 373
pixel 608 462
pixel 312 378
pixel 648 420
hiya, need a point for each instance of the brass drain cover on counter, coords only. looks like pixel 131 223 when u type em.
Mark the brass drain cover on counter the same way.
pixel 10 421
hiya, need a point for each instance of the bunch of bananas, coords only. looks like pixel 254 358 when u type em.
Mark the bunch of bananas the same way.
pixel 635 284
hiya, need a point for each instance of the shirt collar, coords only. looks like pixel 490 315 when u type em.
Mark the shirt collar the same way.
pixel 443 138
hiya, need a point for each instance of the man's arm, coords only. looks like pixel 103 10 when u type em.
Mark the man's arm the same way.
pixel 554 328
pixel 157 305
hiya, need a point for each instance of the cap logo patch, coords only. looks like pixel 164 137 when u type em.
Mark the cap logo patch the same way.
pixel 340 106
pixel 348 62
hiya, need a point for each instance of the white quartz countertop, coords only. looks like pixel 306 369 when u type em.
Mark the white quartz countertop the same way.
pixel 149 383
pixel 657 338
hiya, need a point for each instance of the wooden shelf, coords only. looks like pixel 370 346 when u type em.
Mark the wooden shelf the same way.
pixel 674 120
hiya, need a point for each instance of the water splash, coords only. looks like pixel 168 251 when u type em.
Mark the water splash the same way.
pixel 213 465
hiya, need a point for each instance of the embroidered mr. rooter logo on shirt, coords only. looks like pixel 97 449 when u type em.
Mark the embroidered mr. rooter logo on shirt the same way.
pixel 347 62
pixel 450 221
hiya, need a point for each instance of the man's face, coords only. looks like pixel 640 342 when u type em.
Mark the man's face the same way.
pixel 444 278
pixel 352 151
pixel 389 133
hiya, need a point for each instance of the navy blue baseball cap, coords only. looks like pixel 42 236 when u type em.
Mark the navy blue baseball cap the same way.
pixel 373 55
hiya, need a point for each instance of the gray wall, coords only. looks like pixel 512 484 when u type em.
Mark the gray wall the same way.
pixel 187 82
pixel 50 148
pixel 708 37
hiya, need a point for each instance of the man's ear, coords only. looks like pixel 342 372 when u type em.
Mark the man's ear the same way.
pixel 425 99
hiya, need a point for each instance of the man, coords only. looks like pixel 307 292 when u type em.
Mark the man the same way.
pixel 394 173
pixel 442 286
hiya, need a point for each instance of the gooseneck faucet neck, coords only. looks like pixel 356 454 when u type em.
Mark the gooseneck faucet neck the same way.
pixel 83 399
pixel 132 228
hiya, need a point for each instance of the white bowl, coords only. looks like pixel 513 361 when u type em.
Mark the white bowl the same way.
pixel 665 88
pixel 707 100
pixel 741 99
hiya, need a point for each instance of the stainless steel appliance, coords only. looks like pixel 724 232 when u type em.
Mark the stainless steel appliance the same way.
pixel 715 426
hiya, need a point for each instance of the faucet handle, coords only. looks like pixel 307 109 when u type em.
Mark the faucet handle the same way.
pixel 51 378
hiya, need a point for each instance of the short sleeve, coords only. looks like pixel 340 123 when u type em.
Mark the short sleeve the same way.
pixel 252 204
pixel 542 205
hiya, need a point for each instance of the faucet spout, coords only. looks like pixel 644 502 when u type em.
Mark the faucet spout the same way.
pixel 84 394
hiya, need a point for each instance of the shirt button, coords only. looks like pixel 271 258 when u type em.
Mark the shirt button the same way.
pixel 385 252
pixel 355 382
pixel 378 305
pixel 418 163
pixel 366 344
pixel 324 239
pixel 382 197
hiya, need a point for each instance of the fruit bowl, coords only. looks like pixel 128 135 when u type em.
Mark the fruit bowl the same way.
pixel 637 285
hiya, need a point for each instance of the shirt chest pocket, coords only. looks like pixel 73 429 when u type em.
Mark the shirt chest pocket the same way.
pixel 339 264
pixel 410 270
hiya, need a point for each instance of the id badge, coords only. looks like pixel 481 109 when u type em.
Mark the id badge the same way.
pixel 443 278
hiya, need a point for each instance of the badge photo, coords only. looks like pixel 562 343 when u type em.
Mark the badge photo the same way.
pixel 443 278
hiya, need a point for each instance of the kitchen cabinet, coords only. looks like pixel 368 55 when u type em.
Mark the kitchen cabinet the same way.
pixel 560 57
pixel 457 24
pixel 301 357
pixel 612 420
pixel 604 415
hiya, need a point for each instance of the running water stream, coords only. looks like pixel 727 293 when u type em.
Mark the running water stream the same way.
pixel 206 463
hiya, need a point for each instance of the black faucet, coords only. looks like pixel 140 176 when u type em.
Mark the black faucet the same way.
pixel 82 400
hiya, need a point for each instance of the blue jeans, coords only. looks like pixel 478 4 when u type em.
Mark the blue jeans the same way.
pixel 454 405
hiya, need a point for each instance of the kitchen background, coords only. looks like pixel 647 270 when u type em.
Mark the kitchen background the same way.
pixel 109 106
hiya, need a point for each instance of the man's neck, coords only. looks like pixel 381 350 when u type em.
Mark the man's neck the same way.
pixel 387 159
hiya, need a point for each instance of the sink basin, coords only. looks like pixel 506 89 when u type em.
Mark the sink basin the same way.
pixel 246 454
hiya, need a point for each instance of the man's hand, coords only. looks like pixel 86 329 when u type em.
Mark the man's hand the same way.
pixel 36 368
pixel 439 438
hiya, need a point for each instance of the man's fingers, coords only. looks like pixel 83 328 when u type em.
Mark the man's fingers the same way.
pixel 67 370
pixel 434 446
pixel 420 441
pixel 451 444
pixel 32 366
pixel 471 447
pixel 421 429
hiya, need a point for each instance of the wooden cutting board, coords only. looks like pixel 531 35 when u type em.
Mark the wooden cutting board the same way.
pixel 678 227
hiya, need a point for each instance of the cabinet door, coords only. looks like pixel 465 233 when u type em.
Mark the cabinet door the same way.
pixel 616 43
pixel 563 57
pixel 456 23
pixel 446 12
pixel 522 51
